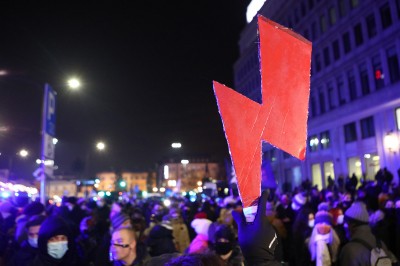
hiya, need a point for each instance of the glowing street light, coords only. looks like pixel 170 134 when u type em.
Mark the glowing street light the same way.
pixel 73 83
pixel 176 145
pixel 184 162
pixel 100 146
pixel 23 153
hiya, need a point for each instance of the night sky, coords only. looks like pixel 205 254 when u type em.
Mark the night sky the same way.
pixel 146 67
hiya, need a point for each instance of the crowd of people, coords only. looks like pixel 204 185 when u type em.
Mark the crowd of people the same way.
pixel 307 226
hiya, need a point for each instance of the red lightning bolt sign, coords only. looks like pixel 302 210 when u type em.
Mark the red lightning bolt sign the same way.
pixel 281 119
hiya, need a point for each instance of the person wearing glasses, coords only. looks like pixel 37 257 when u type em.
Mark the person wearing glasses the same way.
pixel 123 247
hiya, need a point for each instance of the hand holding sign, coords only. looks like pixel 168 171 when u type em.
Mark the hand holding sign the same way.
pixel 281 119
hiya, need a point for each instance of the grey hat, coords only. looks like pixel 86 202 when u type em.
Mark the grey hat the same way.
pixel 358 211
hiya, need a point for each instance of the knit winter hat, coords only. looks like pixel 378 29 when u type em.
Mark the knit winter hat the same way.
pixel 118 219
pixel 33 208
pixel 201 226
pixel 298 201
pixel 323 217
pixel 357 211
pixel 323 206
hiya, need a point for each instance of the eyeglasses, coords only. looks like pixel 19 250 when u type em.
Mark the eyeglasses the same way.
pixel 119 245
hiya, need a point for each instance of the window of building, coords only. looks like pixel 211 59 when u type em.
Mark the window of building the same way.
pixel 318 65
pixel 336 49
pixel 313 104
pixel 358 34
pixel 306 34
pixel 371 25
pixel 310 4
pixel 327 58
pixel 296 15
pixel 316 175
pixel 378 73
pixel 393 63
pixel 332 15
pixel 365 89
pixel 367 127
pixel 313 143
pixel 397 112
pixel 341 90
pixel 331 96
pixel 354 165
pixel 398 7
pixel 352 85
pixel 353 4
pixel 321 98
pixel 386 17
pixel 325 140
pixel 314 33
pixel 342 8
pixel 303 9
pixel 346 42
pixel 350 133
pixel 323 24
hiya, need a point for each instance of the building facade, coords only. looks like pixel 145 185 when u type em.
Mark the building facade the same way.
pixel 354 107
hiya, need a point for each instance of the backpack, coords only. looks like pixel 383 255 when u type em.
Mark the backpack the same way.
pixel 378 255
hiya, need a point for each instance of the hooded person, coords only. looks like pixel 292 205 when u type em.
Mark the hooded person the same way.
pixel 226 247
pixel 324 242
pixel 29 247
pixel 55 243
pixel 161 240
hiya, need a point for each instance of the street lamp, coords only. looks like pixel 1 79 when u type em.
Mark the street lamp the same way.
pixel 23 153
pixel 74 83
pixel 176 145
pixel 101 146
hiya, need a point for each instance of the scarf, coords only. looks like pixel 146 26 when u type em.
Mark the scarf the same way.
pixel 323 248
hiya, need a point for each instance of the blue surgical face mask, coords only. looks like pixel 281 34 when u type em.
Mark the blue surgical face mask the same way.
pixel 311 223
pixel 340 219
pixel 33 241
pixel 57 249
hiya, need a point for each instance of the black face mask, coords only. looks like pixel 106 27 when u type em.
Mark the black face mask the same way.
pixel 223 248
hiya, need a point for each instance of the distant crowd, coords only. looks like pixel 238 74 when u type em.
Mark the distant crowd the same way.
pixel 338 225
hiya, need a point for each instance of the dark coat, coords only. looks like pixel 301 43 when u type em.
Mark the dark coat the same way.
pixel 160 241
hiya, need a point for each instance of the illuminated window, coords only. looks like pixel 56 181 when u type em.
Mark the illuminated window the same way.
pixel 332 15
pixel 386 16
pixel 350 133
pixel 346 42
pixel 325 140
pixel 378 73
pixel 336 49
pixel 313 142
pixel 398 118
pixel 358 34
pixel 367 127
pixel 364 79
pixel 393 63
pixel 371 25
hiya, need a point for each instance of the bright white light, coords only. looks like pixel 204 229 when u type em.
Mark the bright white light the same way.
pixel 48 162
pixel 367 156
pixel 375 158
pixel 167 203
pixel 101 193
pixel 253 8
pixel 172 183
pixel 176 145
pixel 38 161
pixel 96 185
pixel 199 183
pixel 23 153
pixel 226 191
pixel 357 164
pixel 200 189
pixel 100 146
pixel 184 161
pixel 166 171
pixel 122 184
pixel 97 180
pixel 162 189
pixel 5 194
pixel 108 193
pixel 3 72
pixel 144 194
pixel 155 189
pixel 183 194
pixel 74 83
pixel 55 141
pixel 391 142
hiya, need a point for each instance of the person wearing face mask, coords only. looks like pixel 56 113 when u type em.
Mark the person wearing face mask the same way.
pixel 324 243
pixel 29 247
pixel 55 244
pixel 226 247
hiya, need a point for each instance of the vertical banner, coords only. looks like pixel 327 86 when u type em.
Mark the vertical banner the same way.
pixel 48 133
